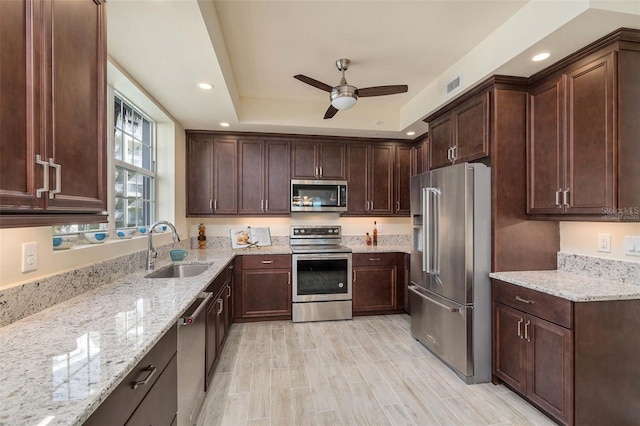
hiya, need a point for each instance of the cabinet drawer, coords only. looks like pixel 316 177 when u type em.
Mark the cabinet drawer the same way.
pixel 372 259
pixel 124 400
pixel 277 261
pixel 542 305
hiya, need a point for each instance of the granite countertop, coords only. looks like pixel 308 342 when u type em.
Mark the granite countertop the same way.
pixel 58 365
pixel 570 285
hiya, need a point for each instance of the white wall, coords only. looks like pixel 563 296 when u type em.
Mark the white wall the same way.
pixel 582 238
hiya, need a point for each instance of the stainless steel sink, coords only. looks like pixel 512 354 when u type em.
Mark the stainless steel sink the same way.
pixel 179 271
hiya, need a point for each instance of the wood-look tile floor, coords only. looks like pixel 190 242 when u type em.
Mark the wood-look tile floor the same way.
pixel 367 371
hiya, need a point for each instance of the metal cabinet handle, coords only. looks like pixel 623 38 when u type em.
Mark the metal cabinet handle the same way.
pixel 453 152
pixel 520 299
pixel 520 321
pixel 374 259
pixel 397 206
pixel 565 197
pixel 288 278
pixel 317 171
pixel 354 276
pixel 211 205
pixel 215 205
pixel 526 331
pixel 58 189
pixel 45 176
pixel 267 262
pixel 228 291
pixel 320 170
pixel 261 205
pixel 558 197
pixel 266 205
pixel 151 370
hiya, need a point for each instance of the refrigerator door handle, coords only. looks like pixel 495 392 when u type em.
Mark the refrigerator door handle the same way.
pixel 414 289
pixel 430 228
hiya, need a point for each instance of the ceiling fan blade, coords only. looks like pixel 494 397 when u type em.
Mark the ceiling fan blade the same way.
pixel 312 82
pixel 382 90
pixel 331 111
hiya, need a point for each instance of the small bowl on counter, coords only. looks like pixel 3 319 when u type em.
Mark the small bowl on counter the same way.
pixel 96 237
pixel 64 242
pixel 125 234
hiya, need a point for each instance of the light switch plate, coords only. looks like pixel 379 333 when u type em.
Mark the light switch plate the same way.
pixel 632 246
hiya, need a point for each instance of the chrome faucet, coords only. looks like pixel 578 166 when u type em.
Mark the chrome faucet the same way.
pixel 152 253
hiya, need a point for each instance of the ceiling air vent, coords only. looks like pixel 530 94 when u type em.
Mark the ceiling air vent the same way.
pixel 454 84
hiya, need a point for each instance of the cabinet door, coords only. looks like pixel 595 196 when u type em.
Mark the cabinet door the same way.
pixel 228 305
pixel 374 288
pixel 550 366
pixel 160 405
pixel 439 142
pixel 19 120
pixel 380 186
pixel 472 129
pixel 266 292
pixel 509 351
pixel 221 332
pixel 331 160
pixel 419 160
pixel 211 353
pixel 75 84
pixel 303 160
pixel 199 175
pixel 402 180
pixel 277 192
pixel 357 179
pixel 225 177
pixel 250 177
pixel 590 124
pixel 545 147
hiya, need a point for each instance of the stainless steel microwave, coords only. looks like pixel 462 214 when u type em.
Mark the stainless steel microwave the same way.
pixel 318 195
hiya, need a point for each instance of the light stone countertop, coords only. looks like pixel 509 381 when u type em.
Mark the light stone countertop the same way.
pixel 571 285
pixel 58 365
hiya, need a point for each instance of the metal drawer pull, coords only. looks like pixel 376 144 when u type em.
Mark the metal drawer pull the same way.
pixel 151 370
pixel 520 299
pixel 58 189
pixel 45 176
pixel 228 291
pixel 221 307
pixel 267 262
pixel 374 259
pixel 526 331
pixel 520 327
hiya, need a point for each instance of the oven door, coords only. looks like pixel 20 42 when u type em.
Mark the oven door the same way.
pixel 321 276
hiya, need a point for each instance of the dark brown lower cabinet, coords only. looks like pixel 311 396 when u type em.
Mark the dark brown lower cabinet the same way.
pixel 218 320
pixel 575 361
pixel 154 402
pixel 375 283
pixel 265 288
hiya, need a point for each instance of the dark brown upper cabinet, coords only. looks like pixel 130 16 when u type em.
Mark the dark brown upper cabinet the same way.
pixel 52 112
pixel 370 178
pixel 420 157
pixel 318 160
pixel 211 175
pixel 460 134
pixel 584 130
pixel 402 179
pixel 263 179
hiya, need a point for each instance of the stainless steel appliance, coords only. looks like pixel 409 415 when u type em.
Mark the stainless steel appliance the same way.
pixel 318 195
pixel 450 263
pixel 191 360
pixel 321 268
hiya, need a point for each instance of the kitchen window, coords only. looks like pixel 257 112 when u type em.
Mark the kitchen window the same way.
pixel 135 165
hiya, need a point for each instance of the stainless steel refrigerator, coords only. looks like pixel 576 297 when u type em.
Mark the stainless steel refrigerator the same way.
pixel 450 263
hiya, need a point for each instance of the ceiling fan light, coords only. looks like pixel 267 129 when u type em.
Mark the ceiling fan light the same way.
pixel 343 97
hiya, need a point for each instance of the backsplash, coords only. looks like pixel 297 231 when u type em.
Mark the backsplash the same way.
pixel 349 240
pixel 599 267
pixel 29 298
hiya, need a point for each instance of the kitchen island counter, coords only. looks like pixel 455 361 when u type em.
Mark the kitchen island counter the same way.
pixel 570 285
pixel 59 364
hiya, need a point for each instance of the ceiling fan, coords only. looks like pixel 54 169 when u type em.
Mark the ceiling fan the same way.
pixel 344 96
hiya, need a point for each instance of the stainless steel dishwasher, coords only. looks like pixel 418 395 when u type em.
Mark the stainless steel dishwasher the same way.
pixel 191 360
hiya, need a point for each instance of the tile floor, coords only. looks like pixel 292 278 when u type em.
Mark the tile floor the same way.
pixel 367 371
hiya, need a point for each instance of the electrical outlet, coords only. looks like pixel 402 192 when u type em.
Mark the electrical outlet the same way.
pixel 380 227
pixel 29 257
pixel 604 243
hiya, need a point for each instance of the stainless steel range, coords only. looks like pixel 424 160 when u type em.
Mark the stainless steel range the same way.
pixel 321 274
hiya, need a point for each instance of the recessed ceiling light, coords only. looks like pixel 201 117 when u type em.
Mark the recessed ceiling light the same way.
pixel 540 57
pixel 411 133
pixel 223 124
pixel 205 86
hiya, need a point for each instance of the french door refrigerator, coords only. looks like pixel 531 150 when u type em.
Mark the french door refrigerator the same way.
pixel 450 264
